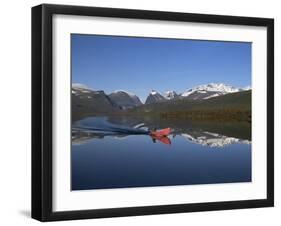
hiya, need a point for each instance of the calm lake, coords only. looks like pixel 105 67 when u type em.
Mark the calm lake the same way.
pixel 117 152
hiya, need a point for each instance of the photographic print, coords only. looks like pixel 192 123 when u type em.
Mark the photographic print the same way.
pixel 159 112
pixel 139 112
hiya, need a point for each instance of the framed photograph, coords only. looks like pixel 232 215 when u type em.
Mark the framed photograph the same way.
pixel 145 112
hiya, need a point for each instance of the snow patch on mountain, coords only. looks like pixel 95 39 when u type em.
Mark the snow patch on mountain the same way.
pixel 153 92
pixel 214 95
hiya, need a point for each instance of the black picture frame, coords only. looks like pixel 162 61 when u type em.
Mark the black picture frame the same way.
pixel 42 107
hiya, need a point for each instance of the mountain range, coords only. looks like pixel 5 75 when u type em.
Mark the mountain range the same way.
pixel 125 100
pixel 200 92
pixel 85 99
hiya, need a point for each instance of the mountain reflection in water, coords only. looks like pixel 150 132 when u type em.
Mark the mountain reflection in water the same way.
pixel 90 128
pixel 118 152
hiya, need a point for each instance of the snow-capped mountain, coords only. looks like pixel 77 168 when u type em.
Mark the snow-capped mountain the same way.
pixel 169 95
pixel 121 99
pixel 154 97
pixel 124 99
pixel 208 91
pixel 200 92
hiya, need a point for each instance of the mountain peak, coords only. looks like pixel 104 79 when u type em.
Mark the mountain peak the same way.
pixel 123 91
pixel 154 97
pixel 153 92
pixel 170 94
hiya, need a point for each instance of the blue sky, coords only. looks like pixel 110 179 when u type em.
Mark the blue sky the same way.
pixel 139 65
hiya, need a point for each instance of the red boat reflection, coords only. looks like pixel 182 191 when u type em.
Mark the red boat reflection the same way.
pixel 161 135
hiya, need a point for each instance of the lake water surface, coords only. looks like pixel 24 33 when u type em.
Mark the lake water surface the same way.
pixel 118 153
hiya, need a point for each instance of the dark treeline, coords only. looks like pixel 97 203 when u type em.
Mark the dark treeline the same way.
pixel 219 115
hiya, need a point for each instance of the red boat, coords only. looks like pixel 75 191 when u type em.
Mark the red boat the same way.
pixel 161 133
